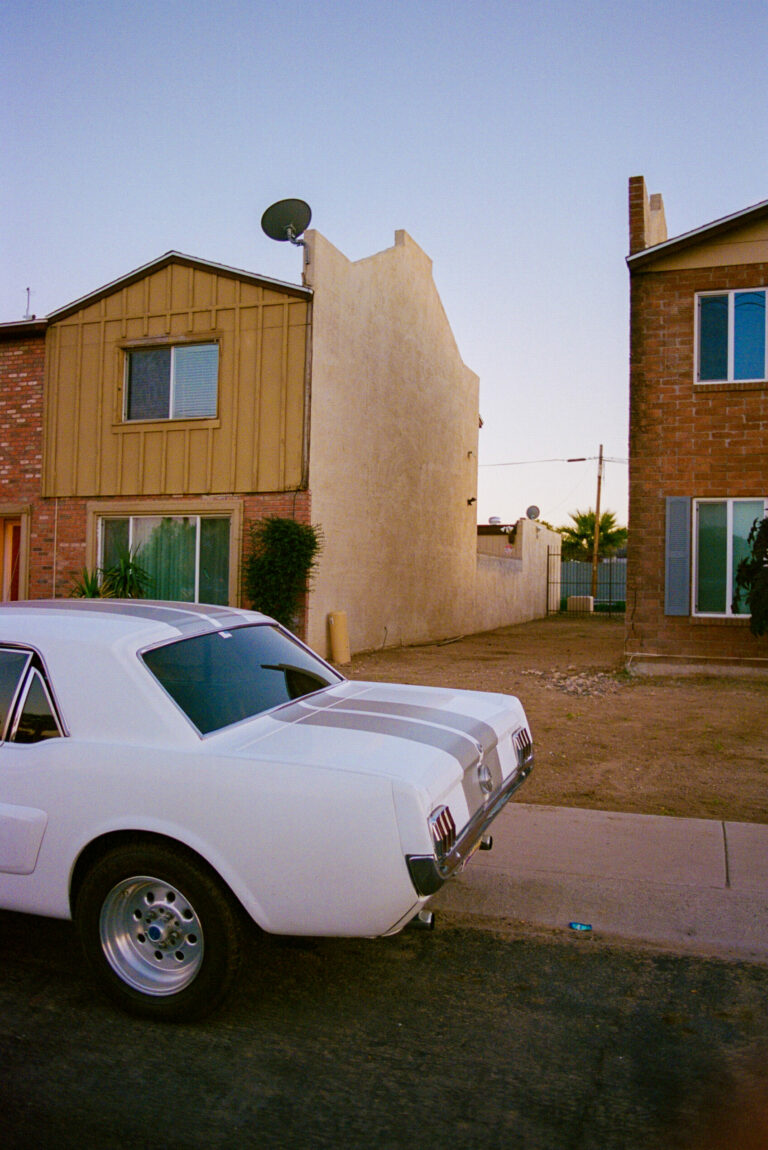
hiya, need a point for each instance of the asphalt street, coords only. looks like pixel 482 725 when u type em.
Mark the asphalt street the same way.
pixel 467 1036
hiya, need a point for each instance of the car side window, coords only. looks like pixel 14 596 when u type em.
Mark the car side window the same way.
pixel 13 665
pixel 36 719
pixel 27 711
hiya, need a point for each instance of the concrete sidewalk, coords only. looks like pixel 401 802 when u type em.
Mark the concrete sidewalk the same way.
pixel 692 884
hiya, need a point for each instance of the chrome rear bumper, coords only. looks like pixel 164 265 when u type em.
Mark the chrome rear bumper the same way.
pixel 429 872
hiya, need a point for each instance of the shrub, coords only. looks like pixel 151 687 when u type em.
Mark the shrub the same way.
pixel 752 578
pixel 280 557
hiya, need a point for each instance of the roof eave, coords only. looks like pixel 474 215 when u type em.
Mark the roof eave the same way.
pixel 174 257
pixel 22 328
pixel 689 239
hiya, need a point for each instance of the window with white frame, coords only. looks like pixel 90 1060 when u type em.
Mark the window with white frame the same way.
pixel 721 529
pixel 173 382
pixel 731 336
pixel 185 556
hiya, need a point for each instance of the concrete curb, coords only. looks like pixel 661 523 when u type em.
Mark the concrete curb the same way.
pixel 696 885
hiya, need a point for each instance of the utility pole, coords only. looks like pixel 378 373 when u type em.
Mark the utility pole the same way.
pixel 596 540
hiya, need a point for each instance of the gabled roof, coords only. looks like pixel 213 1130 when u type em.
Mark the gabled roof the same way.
pixel 708 232
pixel 183 261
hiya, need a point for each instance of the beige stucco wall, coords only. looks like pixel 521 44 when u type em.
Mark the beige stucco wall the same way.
pixel 393 450
pixel 514 589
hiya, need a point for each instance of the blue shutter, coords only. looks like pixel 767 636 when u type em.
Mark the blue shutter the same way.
pixel 677 556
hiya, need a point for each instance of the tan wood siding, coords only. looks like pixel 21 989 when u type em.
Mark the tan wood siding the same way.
pixel 255 441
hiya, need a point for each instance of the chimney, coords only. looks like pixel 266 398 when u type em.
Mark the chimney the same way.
pixel 647 222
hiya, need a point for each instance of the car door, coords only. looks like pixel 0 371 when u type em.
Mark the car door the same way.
pixel 28 721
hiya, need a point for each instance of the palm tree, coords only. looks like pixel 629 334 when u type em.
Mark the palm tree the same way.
pixel 578 537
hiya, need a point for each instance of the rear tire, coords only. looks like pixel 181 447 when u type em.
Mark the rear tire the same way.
pixel 160 934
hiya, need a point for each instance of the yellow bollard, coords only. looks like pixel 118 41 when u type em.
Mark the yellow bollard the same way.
pixel 339 636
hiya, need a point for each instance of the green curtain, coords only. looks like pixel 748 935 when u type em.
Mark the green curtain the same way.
pixel 166 548
pixel 214 561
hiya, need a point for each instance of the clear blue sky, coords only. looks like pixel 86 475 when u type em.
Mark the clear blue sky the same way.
pixel 500 135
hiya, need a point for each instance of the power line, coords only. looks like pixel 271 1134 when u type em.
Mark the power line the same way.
pixel 524 462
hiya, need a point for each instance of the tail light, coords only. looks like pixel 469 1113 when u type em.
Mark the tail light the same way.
pixel 443 830
pixel 523 748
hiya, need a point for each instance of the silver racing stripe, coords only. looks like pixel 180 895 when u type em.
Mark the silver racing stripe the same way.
pixel 482 732
pixel 463 749
pixel 466 739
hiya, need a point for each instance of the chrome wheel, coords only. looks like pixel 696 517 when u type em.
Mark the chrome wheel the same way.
pixel 161 933
pixel 151 935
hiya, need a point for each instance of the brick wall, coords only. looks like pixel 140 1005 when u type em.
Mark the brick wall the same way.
pixel 638 212
pixel 22 365
pixel 694 440
pixel 22 368
pixel 60 530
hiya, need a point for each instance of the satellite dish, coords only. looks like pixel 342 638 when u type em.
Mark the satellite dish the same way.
pixel 533 512
pixel 286 220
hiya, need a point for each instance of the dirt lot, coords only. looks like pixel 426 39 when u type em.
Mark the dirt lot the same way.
pixel 694 747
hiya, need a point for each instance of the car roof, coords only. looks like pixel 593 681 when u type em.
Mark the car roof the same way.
pixel 153 620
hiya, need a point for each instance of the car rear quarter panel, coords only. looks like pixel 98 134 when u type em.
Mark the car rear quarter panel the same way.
pixel 306 850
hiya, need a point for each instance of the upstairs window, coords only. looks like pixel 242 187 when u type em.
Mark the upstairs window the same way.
pixel 731 336
pixel 178 382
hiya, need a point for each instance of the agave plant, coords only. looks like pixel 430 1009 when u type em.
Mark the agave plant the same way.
pixel 88 585
pixel 125 578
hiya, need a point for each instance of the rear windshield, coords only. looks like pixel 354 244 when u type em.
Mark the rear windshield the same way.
pixel 225 676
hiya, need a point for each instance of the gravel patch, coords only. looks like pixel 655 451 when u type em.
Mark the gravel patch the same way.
pixel 573 682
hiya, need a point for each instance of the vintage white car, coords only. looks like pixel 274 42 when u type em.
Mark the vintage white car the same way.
pixel 166 767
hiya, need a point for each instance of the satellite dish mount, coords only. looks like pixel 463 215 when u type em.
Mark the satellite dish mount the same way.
pixel 287 220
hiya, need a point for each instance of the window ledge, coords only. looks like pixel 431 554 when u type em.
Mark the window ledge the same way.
pixel 127 425
pixel 733 385
pixel 720 620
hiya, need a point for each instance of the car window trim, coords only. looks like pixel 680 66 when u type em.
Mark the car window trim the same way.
pixel 36 662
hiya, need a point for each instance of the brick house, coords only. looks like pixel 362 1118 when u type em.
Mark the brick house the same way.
pixel 698 433
pixel 169 408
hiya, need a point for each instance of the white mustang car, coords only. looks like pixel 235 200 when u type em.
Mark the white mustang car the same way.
pixel 166 767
